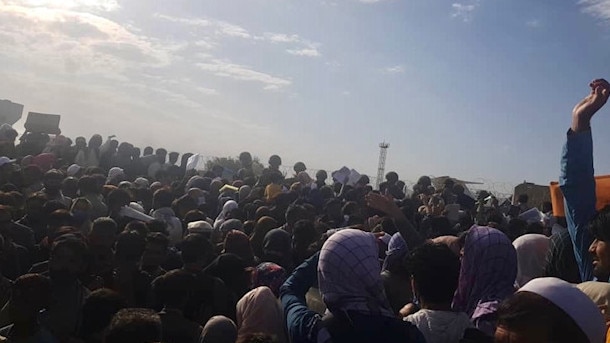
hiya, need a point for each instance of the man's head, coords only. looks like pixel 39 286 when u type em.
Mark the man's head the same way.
pixel 67 259
pixel 303 235
pixel 174 288
pixel 52 180
pixel 295 213
pixel 129 248
pixel 30 294
pixel 99 308
pixel 321 176
pixel 134 325
pixel 600 248
pixel 299 167
pixel 245 159
pixel 95 141
pixel 275 162
pixel 155 252
pixel 161 155
pixel 435 270
pixel 173 157
pixel 391 177
pixel 196 249
pixel 148 151
pixel 34 206
pixel 118 198
pixel 80 142
pixel 162 198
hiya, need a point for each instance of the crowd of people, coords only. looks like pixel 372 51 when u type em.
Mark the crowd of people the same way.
pixel 102 243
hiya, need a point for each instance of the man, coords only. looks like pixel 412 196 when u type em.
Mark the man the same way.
pixel 66 263
pixel 155 254
pixel 157 164
pixel 134 325
pixel 577 183
pixel 52 187
pixel 210 296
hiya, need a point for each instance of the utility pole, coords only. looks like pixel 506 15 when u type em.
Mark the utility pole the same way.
pixel 383 151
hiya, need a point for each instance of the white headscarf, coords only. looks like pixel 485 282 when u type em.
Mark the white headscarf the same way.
pixel 531 257
pixel 228 207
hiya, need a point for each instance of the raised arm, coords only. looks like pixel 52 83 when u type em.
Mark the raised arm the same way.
pixel 577 177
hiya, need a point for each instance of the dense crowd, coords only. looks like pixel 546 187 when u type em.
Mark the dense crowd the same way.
pixel 102 243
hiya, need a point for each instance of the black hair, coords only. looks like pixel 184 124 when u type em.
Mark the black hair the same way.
pixel 134 325
pixel 158 238
pixel 173 288
pixel 130 246
pixel 195 248
pixel 530 312
pixel 162 198
pixel 98 309
pixel 600 224
pixel 435 270
pixel 105 225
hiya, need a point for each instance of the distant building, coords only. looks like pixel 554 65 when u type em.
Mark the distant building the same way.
pixel 537 194
pixel 10 112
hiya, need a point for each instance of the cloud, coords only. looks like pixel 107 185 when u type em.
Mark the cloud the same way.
pixel 95 5
pixel 281 38
pixel 599 9
pixel 217 27
pixel 230 70
pixel 463 11
pixel 534 23
pixel 308 52
pixel 397 69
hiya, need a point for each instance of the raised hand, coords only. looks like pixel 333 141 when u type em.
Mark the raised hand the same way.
pixel 587 107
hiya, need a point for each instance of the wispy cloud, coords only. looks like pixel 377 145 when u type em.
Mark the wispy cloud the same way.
pixel 599 9
pixel 463 11
pixel 397 69
pixel 281 37
pixel 534 23
pixel 308 52
pixel 217 27
pixel 227 69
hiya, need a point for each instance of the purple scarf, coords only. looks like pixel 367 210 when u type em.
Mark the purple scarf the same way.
pixel 487 274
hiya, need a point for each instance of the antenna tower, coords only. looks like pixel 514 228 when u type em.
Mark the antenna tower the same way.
pixel 383 151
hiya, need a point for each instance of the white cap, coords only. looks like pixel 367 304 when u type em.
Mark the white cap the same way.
pixel 573 302
pixel 141 182
pixel 73 169
pixel 5 160
pixel 200 226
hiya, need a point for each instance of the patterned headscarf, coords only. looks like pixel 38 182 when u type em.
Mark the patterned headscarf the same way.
pixel 397 249
pixel 271 275
pixel 487 274
pixel 349 274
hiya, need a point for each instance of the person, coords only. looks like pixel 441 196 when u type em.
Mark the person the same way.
pixel 234 272
pixel 155 254
pixel 66 263
pixel 577 184
pixel 531 257
pixel 304 235
pixel 157 164
pixel 219 329
pixel 274 163
pixel 321 177
pixel 549 310
pixel 598 292
pixel 30 295
pixel 348 273
pixel 262 227
pixel 461 198
pixel 99 308
pixel 128 279
pixel 560 260
pixel 162 210
pixel 258 311
pixel 277 248
pixel 435 270
pixel 395 276
pixel 134 325
pixel 269 274
pixel 238 243
pixel 173 290
pixel 225 213
pixel 487 276
pixel 90 156
pixel 52 187
pixel 210 296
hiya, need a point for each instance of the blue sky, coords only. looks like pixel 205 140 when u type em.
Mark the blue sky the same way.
pixel 477 89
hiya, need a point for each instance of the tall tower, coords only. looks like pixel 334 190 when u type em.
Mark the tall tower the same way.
pixel 383 151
